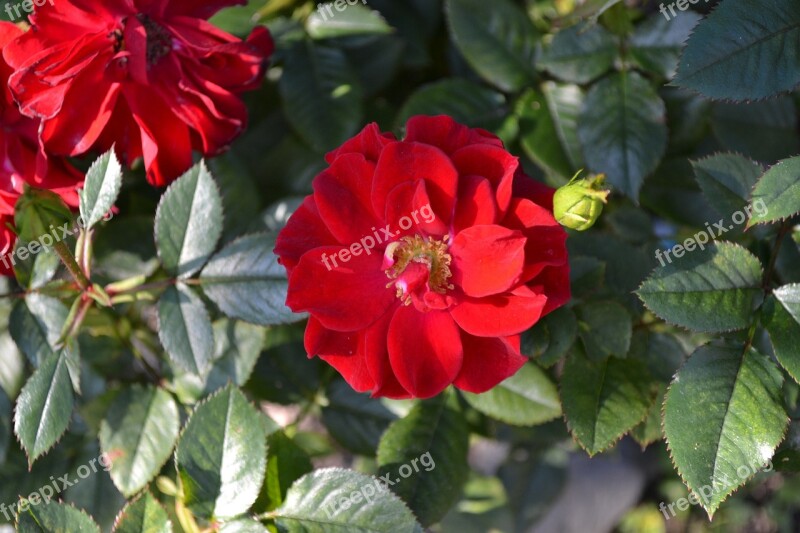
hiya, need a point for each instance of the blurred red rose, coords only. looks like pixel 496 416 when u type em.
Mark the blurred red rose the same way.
pixel 22 159
pixel 152 76
pixel 475 257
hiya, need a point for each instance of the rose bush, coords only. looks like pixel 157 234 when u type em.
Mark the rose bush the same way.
pixel 399 266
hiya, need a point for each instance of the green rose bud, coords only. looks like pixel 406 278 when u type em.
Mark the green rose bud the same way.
pixel 578 204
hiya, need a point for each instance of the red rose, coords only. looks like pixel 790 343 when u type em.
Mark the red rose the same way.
pixel 22 159
pixel 475 257
pixel 152 76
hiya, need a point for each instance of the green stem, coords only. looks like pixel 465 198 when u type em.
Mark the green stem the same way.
pixel 782 232
pixel 68 259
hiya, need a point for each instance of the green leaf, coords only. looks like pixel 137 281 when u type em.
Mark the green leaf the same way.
pixel 781 317
pixel 657 43
pixel 603 400
pixel 145 515
pixel 527 398
pixel 605 329
pixel 236 350
pixel 321 95
pixel 333 500
pixel 623 131
pixel 467 102
pixel 776 196
pixel 32 334
pixel 246 282
pixel 551 338
pixel 37 270
pixel 726 180
pixel 548 128
pixel 36 211
pixel 101 188
pixel 353 20
pixel 188 222
pixel 649 431
pixel 773 119
pixel 221 456
pixel 586 274
pixel 355 420
pixel 744 51
pixel 53 517
pixel 579 54
pixel 286 463
pixel 711 290
pixel 184 328
pixel 437 431
pixel 498 40
pixel 44 407
pixel 723 419
pixel 137 435
pixel 284 374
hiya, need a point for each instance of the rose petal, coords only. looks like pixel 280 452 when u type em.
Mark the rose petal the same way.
pixel 476 203
pixel 487 259
pixel 493 163
pixel 425 350
pixel 369 143
pixel 546 245
pixel 402 162
pixel 446 134
pixel 347 297
pixel 304 231
pixel 501 315
pixel 487 362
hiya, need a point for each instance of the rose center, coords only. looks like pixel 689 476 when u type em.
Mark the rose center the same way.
pixel 159 40
pixel 418 264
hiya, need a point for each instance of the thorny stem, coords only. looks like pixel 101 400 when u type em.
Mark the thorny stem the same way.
pixel 69 261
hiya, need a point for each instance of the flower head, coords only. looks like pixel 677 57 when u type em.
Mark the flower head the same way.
pixel 22 160
pixel 152 76
pixel 422 260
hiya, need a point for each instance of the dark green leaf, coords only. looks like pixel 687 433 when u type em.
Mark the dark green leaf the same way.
pixel 657 43
pixel 776 196
pixel 734 124
pixel 603 400
pixel 434 432
pixel 726 180
pixel 622 130
pixel 221 456
pixel 184 328
pixel 713 290
pixel 649 431
pixel 744 51
pixel 527 398
pixel 54 517
pixel 551 338
pixel 497 40
pixel 605 329
pixel 723 419
pixel 188 222
pixel 246 282
pixel 138 435
pixel 579 53
pixel 355 420
pixel 321 95
pixel 333 500
pixel 44 407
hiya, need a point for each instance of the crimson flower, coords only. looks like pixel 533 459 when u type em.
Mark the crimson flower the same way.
pixel 420 261
pixel 152 76
pixel 22 159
